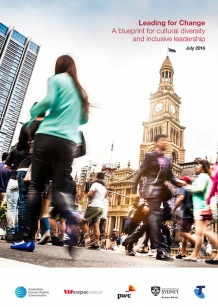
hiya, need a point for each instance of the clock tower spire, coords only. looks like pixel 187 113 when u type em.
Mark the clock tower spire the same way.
pixel 166 76
pixel 164 119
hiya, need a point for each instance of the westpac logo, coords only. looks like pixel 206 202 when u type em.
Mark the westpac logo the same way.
pixel 131 289
pixel 198 292
pixel 68 291
pixel 82 292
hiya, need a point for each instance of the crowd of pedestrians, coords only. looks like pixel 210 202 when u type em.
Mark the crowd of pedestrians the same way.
pixel 36 182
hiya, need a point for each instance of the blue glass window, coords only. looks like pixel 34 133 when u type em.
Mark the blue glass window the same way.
pixel 5 93
pixel 7 85
pixel 3 100
pixel 3 29
pixel 14 68
pixel 19 37
pixel 10 78
pixel 34 47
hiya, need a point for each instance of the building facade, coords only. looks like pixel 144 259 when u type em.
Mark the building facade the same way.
pixel 18 56
pixel 121 192
pixel 164 119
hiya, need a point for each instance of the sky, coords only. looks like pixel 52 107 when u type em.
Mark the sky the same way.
pixel 119 74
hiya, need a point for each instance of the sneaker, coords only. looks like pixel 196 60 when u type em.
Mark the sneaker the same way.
pixel 152 253
pixel 45 237
pixel 94 247
pixel 179 256
pixel 39 237
pixel 13 238
pixel 24 246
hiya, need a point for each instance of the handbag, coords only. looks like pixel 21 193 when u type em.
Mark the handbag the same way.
pixel 209 249
pixel 206 214
pixel 80 149
pixel 214 208
pixel 28 176
pixel 146 194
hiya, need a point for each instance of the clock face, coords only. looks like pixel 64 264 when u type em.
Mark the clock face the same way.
pixel 172 109
pixel 158 107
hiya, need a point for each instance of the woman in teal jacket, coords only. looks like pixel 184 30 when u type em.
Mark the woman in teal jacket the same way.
pixel 199 190
pixel 54 145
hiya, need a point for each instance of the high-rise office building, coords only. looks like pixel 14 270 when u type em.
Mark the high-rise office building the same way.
pixel 86 171
pixel 18 56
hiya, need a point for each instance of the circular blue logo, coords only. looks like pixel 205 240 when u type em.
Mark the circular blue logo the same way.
pixel 20 292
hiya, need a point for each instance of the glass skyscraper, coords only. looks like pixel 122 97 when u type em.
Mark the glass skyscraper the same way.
pixel 18 56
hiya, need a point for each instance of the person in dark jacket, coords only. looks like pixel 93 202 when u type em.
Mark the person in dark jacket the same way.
pixel 25 144
pixel 5 175
pixel 157 168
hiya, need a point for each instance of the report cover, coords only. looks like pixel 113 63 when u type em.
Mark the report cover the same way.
pixel 148 67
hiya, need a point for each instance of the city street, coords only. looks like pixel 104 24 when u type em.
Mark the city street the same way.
pixel 58 257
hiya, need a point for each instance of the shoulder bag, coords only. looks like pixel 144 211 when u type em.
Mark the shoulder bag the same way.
pixel 80 149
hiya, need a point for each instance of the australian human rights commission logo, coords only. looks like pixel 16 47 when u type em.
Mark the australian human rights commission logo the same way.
pixel 21 292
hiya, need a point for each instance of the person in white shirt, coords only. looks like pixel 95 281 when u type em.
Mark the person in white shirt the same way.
pixel 94 211
pixel 103 220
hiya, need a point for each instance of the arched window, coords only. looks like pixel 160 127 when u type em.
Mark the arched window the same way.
pixel 155 130
pixel 171 134
pixel 177 138
pixel 151 135
pixel 174 157
pixel 160 130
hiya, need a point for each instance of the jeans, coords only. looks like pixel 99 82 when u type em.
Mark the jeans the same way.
pixel 12 212
pixel 134 237
pixel 2 199
pixel 21 202
pixel 152 225
pixel 51 155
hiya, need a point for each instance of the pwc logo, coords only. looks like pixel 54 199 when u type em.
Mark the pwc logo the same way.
pixel 68 291
pixel 124 295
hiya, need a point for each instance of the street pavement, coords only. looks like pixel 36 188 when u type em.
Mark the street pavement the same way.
pixel 58 257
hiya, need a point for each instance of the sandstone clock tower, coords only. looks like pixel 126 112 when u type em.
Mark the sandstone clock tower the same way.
pixel 164 118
